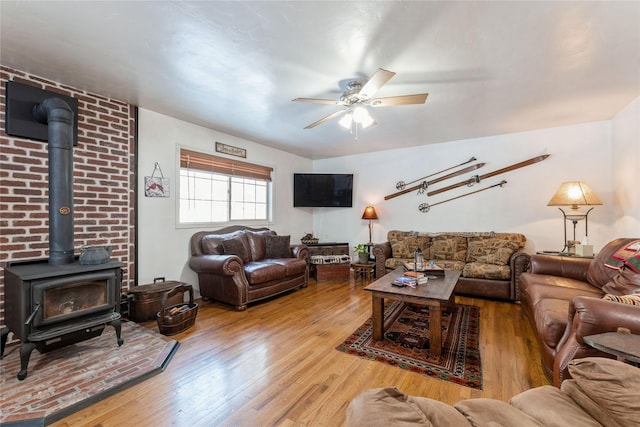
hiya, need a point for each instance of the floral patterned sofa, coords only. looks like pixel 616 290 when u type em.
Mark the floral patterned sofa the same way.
pixel 491 263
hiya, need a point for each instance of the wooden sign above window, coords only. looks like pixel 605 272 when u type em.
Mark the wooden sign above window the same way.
pixel 231 150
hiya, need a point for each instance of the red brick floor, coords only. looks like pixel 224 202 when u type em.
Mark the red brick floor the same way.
pixel 60 380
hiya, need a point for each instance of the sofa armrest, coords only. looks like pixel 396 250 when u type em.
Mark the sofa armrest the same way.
pixel 563 266
pixel 226 265
pixel 591 316
pixel 300 252
pixel 518 263
pixel 381 252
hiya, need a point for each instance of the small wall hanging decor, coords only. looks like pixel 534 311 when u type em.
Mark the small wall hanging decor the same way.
pixel 156 186
pixel 230 149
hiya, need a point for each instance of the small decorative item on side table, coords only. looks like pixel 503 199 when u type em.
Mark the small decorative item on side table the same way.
pixel 362 251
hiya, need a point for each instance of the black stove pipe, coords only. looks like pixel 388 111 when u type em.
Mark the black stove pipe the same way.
pixel 57 114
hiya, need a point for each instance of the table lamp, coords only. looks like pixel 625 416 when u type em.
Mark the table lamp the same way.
pixel 370 214
pixel 574 194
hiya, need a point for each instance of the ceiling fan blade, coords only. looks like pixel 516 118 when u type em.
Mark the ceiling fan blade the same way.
pixel 418 98
pixel 379 79
pixel 325 119
pixel 320 101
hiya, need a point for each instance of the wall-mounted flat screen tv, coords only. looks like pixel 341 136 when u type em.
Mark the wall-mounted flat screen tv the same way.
pixel 315 190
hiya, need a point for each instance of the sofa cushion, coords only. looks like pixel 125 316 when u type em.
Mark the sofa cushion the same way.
pixel 277 246
pixel 480 270
pixel 383 407
pixel 292 266
pixel 551 408
pixel 491 412
pixel 257 245
pixel 237 247
pixel 258 272
pixel 609 384
pixel 551 316
pixel 625 282
pixel 404 243
pixel 448 247
pixel 491 250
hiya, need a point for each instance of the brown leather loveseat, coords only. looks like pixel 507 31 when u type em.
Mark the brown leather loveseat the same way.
pixel 238 265
pixel 562 297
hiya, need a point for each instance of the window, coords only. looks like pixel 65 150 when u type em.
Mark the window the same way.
pixel 217 189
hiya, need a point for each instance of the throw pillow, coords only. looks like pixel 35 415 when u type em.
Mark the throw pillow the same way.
pixel 625 282
pixel 491 251
pixel 613 385
pixel 628 254
pixel 632 299
pixel 278 247
pixel 235 247
pixel 448 247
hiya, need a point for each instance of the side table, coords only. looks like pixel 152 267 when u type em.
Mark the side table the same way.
pixel 625 346
pixel 365 270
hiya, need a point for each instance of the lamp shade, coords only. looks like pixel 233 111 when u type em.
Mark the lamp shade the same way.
pixel 369 213
pixel 574 194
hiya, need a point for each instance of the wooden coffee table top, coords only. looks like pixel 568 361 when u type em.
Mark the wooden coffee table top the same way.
pixel 439 289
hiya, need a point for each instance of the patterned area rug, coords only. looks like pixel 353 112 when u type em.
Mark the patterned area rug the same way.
pixel 406 343
pixel 70 378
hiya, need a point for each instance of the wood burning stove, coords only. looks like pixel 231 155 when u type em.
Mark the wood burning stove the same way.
pixel 59 301
pixel 52 306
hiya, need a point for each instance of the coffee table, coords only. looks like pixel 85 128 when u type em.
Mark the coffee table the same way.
pixel 435 294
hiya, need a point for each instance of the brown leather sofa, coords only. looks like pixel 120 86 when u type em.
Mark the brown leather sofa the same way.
pixel 603 392
pixel 491 263
pixel 562 298
pixel 239 265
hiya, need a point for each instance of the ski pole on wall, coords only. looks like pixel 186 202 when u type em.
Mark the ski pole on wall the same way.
pixel 426 207
pixel 400 185
pixel 424 184
pixel 476 179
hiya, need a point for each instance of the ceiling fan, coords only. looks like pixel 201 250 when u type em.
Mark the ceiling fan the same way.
pixel 357 96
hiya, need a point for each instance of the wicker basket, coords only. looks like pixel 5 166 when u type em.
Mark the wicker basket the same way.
pixel 178 317
pixel 313 241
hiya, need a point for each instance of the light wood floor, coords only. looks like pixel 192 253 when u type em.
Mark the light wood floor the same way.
pixel 276 365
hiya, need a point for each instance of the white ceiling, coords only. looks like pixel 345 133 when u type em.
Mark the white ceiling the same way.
pixel 489 67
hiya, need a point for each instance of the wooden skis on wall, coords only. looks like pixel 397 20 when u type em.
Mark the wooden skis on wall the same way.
pixel 476 179
pixel 424 184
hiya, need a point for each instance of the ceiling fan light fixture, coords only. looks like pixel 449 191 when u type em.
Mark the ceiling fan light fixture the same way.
pixel 346 120
pixel 360 114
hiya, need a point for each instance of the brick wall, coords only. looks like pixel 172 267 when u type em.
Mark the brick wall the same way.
pixel 103 175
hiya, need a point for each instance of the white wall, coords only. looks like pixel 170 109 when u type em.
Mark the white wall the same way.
pixel 604 154
pixel 580 152
pixel 625 160
pixel 163 248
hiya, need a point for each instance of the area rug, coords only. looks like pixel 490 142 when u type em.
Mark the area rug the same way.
pixel 70 378
pixel 406 343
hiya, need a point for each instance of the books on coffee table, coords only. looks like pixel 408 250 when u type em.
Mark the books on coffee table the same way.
pixel 410 281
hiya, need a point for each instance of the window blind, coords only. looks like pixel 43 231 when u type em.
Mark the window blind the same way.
pixel 209 163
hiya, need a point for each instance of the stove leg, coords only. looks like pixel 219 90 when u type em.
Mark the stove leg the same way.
pixel 117 327
pixel 25 354
pixel 4 335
